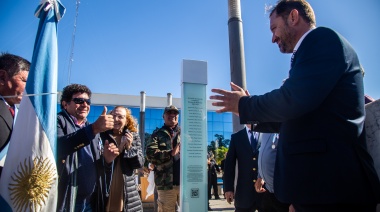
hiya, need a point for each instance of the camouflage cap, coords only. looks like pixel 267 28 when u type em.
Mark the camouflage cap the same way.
pixel 171 108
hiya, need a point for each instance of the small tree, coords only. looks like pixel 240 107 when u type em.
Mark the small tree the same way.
pixel 222 141
pixel 211 147
pixel 221 152
pixel 218 147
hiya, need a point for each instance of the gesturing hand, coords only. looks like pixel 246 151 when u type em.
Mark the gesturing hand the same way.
pixel 110 151
pixel 126 141
pixel 229 100
pixel 103 123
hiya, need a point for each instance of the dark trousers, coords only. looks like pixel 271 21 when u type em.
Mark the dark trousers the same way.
pixel 155 199
pixel 213 183
pixel 335 208
pixel 271 204
pixel 256 206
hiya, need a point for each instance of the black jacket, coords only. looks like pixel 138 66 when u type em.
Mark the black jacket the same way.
pixel 213 167
pixel 240 150
pixel 319 111
pixel 6 124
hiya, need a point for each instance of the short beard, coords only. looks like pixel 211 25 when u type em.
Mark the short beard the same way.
pixel 287 39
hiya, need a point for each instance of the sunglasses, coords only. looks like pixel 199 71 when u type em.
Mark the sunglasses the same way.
pixel 81 101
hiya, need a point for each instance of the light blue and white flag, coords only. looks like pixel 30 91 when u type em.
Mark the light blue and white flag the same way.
pixel 29 179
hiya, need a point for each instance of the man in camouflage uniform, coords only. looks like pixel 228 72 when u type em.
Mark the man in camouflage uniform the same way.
pixel 163 151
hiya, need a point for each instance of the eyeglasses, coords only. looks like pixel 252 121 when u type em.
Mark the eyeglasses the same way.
pixel 81 100
pixel 118 116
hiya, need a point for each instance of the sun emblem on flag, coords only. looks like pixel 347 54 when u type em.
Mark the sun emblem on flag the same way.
pixel 31 183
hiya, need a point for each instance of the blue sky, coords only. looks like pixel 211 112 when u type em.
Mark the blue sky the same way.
pixel 128 46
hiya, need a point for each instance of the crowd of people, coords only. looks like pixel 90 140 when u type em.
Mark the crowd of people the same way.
pixel 302 149
pixel 97 161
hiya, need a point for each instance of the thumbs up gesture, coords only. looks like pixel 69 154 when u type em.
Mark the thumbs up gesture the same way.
pixel 103 123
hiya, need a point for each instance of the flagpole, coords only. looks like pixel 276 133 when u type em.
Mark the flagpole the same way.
pixel 237 59
pixel 29 181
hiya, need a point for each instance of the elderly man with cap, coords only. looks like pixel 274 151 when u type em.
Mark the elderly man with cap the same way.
pixel 163 151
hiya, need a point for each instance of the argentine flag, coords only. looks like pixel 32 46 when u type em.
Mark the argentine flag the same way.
pixel 29 179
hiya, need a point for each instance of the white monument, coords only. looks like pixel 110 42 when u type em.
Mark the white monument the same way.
pixel 194 137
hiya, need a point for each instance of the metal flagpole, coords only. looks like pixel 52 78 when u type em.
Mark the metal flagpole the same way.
pixel 237 60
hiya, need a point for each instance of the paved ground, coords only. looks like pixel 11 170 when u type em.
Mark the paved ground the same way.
pixel 221 205
pixel 216 205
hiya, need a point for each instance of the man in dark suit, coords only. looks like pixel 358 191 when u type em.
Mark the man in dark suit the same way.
pixel 242 153
pixel 213 170
pixel 322 163
pixel 14 72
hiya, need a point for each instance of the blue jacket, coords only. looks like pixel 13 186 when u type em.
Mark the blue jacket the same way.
pixel 69 141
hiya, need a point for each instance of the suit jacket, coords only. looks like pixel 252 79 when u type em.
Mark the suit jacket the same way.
pixel 6 124
pixel 319 111
pixel 240 150
pixel 222 164
pixel 213 168
pixel 69 141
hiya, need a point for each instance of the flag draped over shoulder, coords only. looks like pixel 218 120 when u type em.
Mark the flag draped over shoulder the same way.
pixel 29 179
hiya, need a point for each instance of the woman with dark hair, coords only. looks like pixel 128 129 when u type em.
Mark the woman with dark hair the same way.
pixel 121 190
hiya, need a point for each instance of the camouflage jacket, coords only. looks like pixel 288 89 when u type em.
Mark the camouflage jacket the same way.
pixel 158 152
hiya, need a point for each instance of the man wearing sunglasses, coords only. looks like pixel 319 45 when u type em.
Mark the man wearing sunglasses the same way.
pixel 83 163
